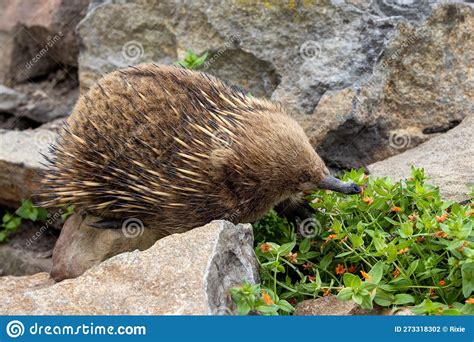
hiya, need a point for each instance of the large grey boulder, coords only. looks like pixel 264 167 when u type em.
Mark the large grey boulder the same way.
pixel 376 68
pixel 182 274
pixel 447 160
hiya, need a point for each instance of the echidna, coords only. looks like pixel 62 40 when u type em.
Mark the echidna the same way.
pixel 177 149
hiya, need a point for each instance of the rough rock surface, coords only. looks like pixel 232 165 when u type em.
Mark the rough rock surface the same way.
pixel 20 160
pixel 447 160
pixel 329 306
pixel 29 249
pixel 9 99
pixel 80 246
pixel 37 36
pixel 20 262
pixel 186 274
pixel 379 70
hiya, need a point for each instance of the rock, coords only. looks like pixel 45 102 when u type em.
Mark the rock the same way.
pixel 330 306
pixel 19 262
pixel 80 246
pixel 29 249
pixel 447 160
pixel 20 160
pixel 49 99
pixel 9 99
pixel 421 86
pixel 185 274
pixel 37 37
pixel 377 69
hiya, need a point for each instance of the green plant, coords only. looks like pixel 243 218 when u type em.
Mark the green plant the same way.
pixel 27 211
pixel 69 211
pixel 192 61
pixel 251 298
pixel 396 244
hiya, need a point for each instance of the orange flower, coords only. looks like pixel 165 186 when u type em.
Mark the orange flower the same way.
pixel 403 250
pixel 442 282
pixel 470 212
pixel 470 301
pixel 361 190
pixel 292 257
pixel 352 269
pixel 395 209
pixel 312 278
pixel 441 234
pixel 442 218
pixel 307 265
pixel 340 269
pixel 266 298
pixel 326 293
pixel 368 200
pixel 331 237
pixel 412 217
pixel 365 275
pixel 265 247
pixel 396 273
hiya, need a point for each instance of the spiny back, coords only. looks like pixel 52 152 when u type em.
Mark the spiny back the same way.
pixel 144 142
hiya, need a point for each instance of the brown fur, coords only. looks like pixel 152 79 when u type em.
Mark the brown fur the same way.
pixel 177 149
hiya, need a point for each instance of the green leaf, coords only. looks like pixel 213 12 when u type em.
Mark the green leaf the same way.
pixel 285 306
pixel 403 298
pixel 357 241
pixel 340 255
pixel 286 248
pixel 357 298
pixel 376 273
pixel 345 294
pixel 267 308
pixel 27 210
pixel 351 280
pixel 467 272
pixel 383 298
pixel 412 267
pixel 305 246
pixel 406 230
pixel 243 308
pixel 326 261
